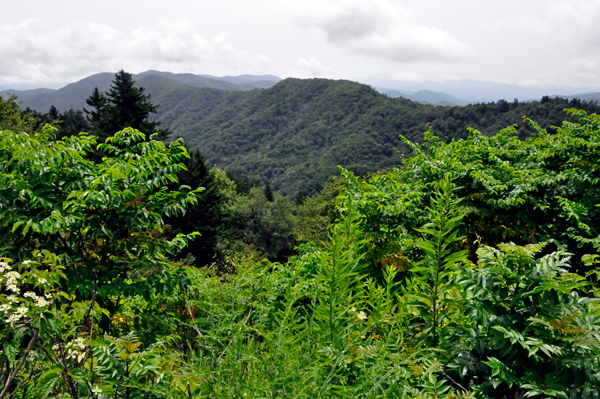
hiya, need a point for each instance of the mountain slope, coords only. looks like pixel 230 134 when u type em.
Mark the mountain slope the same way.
pixel 434 97
pixel 584 96
pixel 297 132
pixel 25 94
pixel 72 96
pixel 241 79
pixel 425 96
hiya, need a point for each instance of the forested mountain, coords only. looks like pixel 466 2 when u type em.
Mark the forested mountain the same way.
pixel 296 133
pixel 25 94
pixel 242 82
pixel 584 96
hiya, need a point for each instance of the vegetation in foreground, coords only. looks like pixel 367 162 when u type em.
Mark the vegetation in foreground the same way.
pixel 470 271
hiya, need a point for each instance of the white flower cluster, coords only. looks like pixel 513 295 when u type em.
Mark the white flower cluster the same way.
pixel 10 280
pixel 18 315
pixel 4 267
pixel 76 349
pixel 41 302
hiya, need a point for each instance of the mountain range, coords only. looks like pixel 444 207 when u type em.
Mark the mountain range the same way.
pixel 294 132
pixel 73 95
pixel 425 97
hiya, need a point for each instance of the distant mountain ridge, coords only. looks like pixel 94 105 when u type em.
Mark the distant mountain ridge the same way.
pixel 426 96
pixel 583 96
pixel 73 95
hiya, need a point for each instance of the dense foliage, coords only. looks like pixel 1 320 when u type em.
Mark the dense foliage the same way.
pixel 297 132
pixel 415 290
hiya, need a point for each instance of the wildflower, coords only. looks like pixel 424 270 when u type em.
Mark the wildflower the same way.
pixel 362 315
pixel 41 302
pixel 4 308
pixel 26 262
pixel 13 288
pixel 30 294
pixel 72 354
pixel 79 342
pixel 42 280
pixel 96 390
pixel 12 277
pixel 11 299
pixel 22 310
pixel 353 309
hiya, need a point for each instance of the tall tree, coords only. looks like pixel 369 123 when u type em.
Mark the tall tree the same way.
pixel 208 216
pixel 124 105
pixel 96 116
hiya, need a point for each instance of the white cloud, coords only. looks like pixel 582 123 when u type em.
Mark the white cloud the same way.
pixel 567 27
pixel 34 51
pixel 383 29
pixel 310 66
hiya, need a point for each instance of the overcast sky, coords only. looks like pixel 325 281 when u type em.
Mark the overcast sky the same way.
pixel 47 43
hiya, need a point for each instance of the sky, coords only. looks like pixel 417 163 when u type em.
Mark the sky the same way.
pixel 387 43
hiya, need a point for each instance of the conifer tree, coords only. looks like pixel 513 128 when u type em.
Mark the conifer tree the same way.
pixel 269 192
pixel 96 115
pixel 207 216
pixel 124 105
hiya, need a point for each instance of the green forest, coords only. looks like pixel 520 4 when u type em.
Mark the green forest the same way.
pixel 459 261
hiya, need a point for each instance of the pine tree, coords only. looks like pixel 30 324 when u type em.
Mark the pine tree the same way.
pixel 269 192
pixel 96 116
pixel 206 217
pixel 124 105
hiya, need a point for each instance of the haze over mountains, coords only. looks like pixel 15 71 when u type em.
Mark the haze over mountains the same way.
pixel 73 95
pixel 463 92
pixel 295 132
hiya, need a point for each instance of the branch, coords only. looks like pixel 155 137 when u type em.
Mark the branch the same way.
pixel 21 363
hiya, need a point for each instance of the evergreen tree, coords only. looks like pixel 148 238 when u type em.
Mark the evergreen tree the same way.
pixel 299 197
pixel 269 192
pixel 124 105
pixel 206 217
pixel 242 183
pixel 53 113
pixel 96 116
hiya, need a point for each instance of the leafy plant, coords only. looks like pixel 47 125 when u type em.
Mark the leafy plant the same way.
pixel 431 286
pixel 532 326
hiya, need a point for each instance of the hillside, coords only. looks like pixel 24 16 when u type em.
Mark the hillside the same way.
pixel 72 96
pixel 297 132
pixel 25 94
